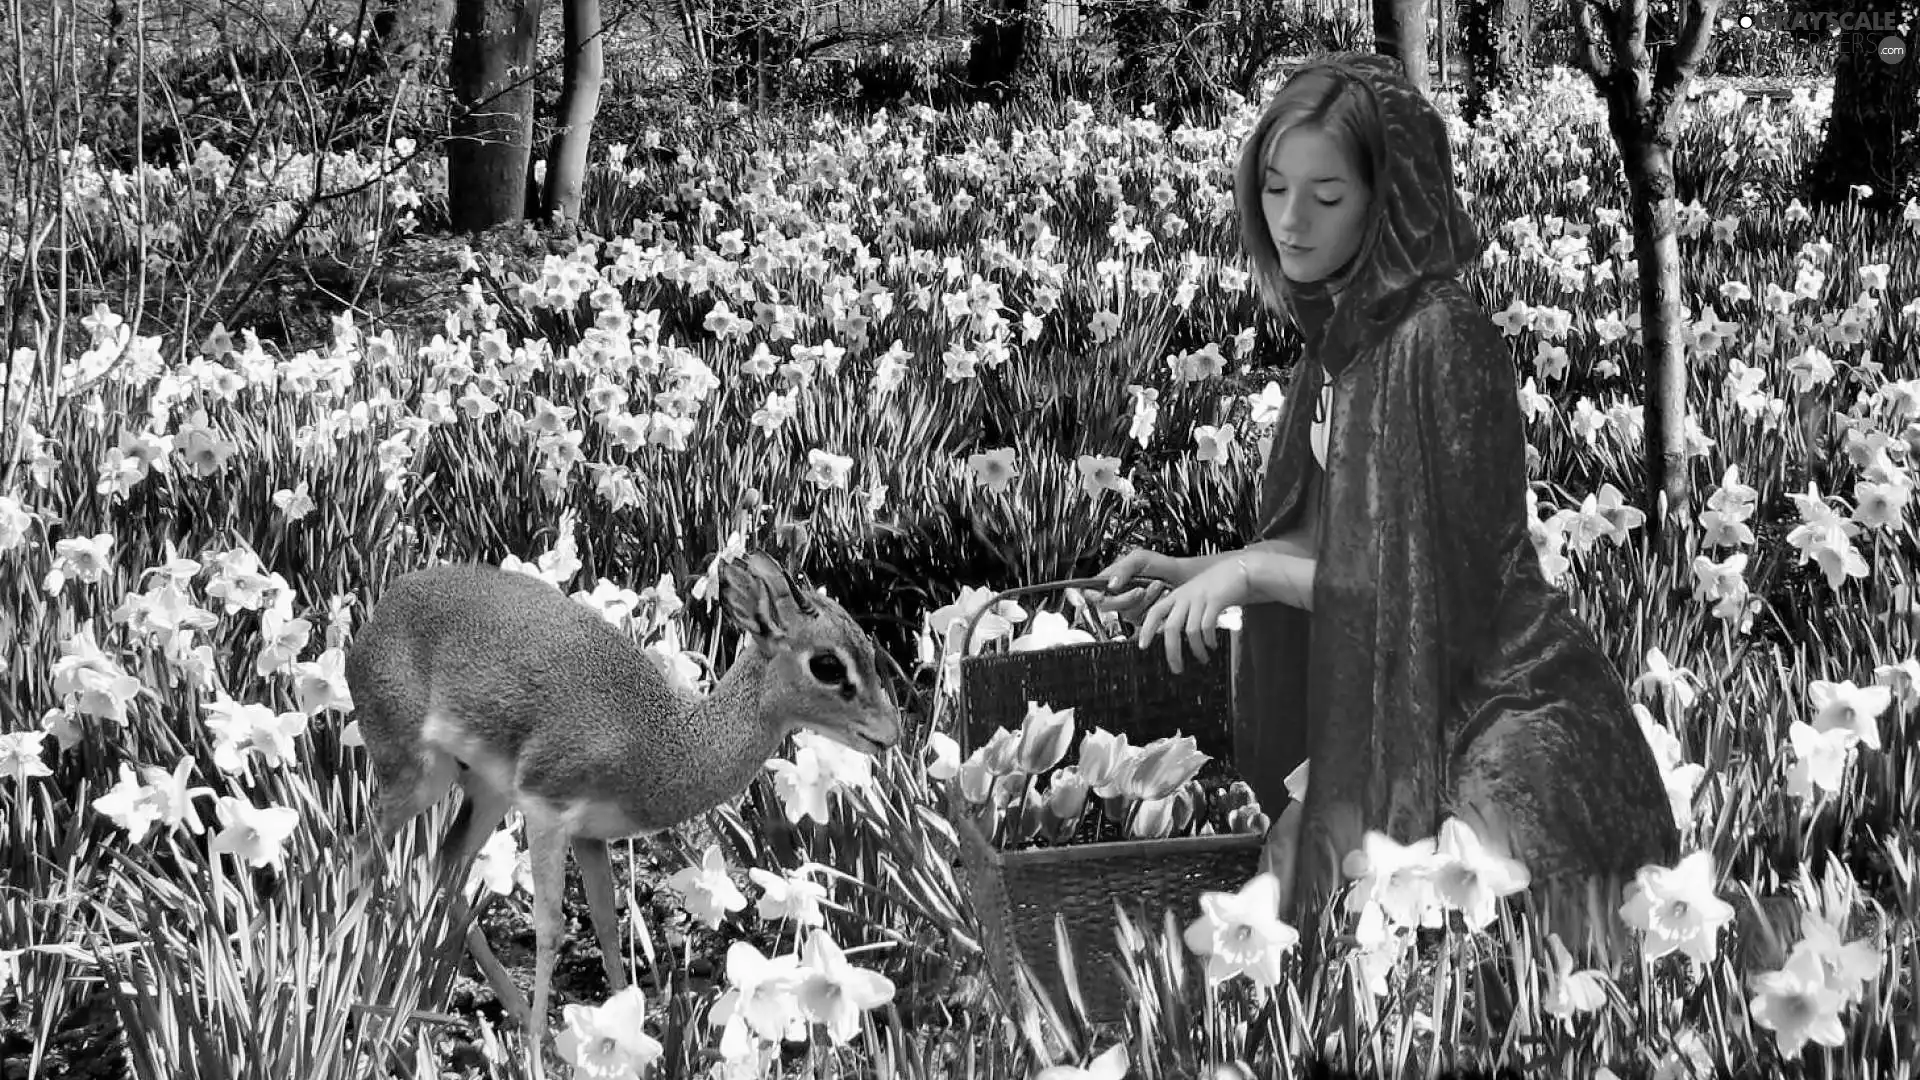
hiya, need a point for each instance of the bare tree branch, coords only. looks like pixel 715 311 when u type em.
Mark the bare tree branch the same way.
pixel 882 36
pixel 1631 42
pixel 1589 33
pixel 1632 70
pixel 1679 63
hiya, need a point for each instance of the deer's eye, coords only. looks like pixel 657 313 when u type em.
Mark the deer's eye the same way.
pixel 827 667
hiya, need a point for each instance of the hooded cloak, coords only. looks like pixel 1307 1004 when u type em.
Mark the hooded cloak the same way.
pixel 1436 654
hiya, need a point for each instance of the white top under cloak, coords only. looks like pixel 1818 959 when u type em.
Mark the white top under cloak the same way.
pixel 1317 434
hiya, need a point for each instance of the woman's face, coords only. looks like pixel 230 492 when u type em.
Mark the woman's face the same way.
pixel 1316 204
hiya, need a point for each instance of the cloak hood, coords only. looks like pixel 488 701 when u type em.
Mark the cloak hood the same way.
pixel 1417 230
pixel 1417 224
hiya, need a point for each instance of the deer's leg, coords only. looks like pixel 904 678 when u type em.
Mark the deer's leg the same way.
pixel 596 876
pixel 547 843
pixel 479 817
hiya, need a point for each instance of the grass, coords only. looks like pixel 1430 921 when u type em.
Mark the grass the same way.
pixel 196 526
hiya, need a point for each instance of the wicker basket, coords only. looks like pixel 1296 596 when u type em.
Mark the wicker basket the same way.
pixel 1118 686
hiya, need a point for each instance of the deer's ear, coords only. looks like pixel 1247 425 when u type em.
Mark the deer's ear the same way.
pixel 757 596
pixel 745 597
pixel 767 569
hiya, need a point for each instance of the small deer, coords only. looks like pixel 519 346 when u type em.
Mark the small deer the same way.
pixel 531 700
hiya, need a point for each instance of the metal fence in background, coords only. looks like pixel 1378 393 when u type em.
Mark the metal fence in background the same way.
pixel 1064 17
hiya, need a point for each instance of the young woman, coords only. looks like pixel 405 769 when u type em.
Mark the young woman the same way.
pixel 1397 630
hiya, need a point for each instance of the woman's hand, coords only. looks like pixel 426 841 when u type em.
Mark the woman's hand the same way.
pixel 1193 608
pixel 1165 571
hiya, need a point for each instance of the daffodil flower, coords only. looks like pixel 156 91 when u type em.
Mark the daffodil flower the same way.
pixel 1471 879
pixel 834 993
pixel 1847 707
pixel 1820 759
pixel 844 766
pixel 945 754
pixel 763 991
pixel 501 865
pixel 709 893
pixel 1110 1065
pixel 1398 878
pixel 1848 964
pixel 126 804
pixel 1798 1006
pixel 1241 933
pixel 802 785
pixel 1570 992
pixel 21 757
pixel 255 835
pixel 1378 947
pixel 789 896
pixel 1677 910
pixel 609 1040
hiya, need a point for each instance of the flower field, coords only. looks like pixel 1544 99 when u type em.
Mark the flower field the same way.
pixel 967 351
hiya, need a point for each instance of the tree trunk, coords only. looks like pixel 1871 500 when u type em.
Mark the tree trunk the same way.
pixel 1640 84
pixel 1875 104
pixel 492 142
pixel 694 33
pixel 761 63
pixel 998 48
pixel 1497 37
pixel 584 71
pixel 1400 31
pixel 1647 154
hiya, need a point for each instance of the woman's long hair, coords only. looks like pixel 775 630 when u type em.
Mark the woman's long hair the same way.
pixel 1315 98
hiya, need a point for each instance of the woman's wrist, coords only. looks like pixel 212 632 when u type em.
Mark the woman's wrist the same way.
pixel 1180 570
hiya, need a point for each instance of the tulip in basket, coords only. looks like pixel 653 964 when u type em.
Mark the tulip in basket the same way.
pixel 1092 773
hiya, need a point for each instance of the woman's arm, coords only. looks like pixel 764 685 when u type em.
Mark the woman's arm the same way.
pixel 1296 544
pixel 1288 559
pixel 1278 577
pixel 1278 571
pixel 1299 540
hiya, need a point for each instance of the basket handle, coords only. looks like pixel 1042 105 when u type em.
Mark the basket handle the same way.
pixel 973 622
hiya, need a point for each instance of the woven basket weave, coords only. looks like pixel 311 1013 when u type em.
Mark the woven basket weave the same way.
pixel 1127 690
